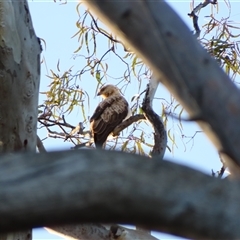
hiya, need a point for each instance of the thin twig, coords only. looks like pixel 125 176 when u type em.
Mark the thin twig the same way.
pixel 103 33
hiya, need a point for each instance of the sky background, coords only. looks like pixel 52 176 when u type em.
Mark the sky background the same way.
pixel 56 24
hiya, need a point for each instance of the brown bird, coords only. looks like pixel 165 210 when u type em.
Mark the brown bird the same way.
pixel 108 114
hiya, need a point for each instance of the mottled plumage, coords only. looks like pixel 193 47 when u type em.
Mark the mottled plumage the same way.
pixel 108 114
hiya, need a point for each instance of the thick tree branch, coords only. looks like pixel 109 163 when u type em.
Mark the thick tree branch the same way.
pixel 160 135
pixel 103 186
pixel 164 42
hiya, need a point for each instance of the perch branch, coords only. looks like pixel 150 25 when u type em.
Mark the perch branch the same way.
pixel 127 123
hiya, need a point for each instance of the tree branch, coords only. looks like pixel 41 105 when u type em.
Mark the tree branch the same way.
pixel 160 195
pixel 195 17
pixel 127 123
pixel 81 232
pixel 164 42
pixel 99 232
pixel 160 135
pixel 122 233
pixel 40 145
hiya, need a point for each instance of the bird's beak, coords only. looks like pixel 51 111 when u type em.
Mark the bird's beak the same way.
pixel 98 94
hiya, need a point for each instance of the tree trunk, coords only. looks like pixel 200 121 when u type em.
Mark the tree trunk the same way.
pixel 19 84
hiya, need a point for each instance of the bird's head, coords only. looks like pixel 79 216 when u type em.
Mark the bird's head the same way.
pixel 108 90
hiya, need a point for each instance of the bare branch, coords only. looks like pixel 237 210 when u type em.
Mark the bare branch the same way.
pixel 127 123
pixel 119 232
pixel 195 17
pixel 79 130
pixel 50 123
pixel 81 145
pixel 99 232
pixel 160 135
pixel 81 232
pixel 103 33
pixel 92 186
pixel 40 145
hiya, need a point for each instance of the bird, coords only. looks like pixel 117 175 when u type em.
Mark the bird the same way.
pixel 109 114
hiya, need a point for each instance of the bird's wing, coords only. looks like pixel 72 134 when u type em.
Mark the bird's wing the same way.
pixel 109 114
pixel 101 107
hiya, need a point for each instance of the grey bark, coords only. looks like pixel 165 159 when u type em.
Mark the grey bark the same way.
pixel 81 231
pixel 99 232
pixel 155 32
pixel 103 186
pixel 19 85
pixel 160 134
pixel 92 187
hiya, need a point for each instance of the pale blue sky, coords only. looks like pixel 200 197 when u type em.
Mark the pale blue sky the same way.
pixel 55 23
